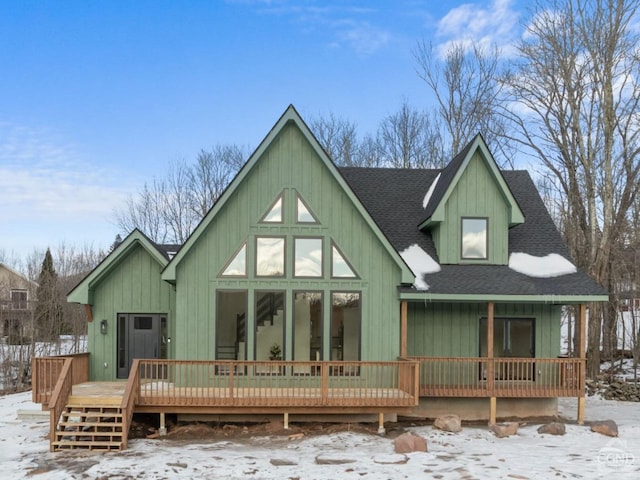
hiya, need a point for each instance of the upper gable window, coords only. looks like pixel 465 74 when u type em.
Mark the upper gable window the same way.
pixel 303 214
pixel 340 268
pixel 474 238
pixel 270 256
pixel 274 215
pixel 308 257
pixel 237 267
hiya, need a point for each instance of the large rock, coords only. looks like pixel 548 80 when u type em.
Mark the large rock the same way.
pixel 448 423
pixel 553 428
pixel 392 459
pixel 605 427
pixel 409 442
pixel 505 429
pixel 282 462
pixel 333 459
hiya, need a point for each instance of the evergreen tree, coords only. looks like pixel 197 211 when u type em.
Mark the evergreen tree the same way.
pixel 116 242
pixel 48 313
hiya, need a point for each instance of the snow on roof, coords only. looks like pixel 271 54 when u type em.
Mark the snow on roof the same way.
pixel 420 263
pixel 552 265
pixel 427 197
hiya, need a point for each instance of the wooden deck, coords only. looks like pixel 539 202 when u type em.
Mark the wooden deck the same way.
pixel 214 387
pixel 99 393
pixel 249 387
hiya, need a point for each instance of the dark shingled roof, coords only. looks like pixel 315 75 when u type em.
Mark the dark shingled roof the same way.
pixel 166 249
pixel 394 199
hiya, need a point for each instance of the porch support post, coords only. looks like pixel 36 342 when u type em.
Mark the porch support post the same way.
pixel 582 356
pixel 163 426
pixel 286 420
pixel 381 430
pixel 403 328
pixel 491 377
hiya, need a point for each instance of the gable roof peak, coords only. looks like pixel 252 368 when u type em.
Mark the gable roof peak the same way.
pixel 290 115
pixel 451 174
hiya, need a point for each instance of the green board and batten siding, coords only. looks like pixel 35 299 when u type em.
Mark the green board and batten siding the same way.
pixel 476 194
pixel 132 286
pixel 291 165
pixel 452 329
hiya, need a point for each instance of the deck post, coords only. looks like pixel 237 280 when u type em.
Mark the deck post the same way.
pixel 582 356
pixel 286 420
pixel 381 430
pixel 403 328
pixel 491 376
pixel 163 426
pixel 492 410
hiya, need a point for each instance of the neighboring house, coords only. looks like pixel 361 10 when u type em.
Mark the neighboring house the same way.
pixel 381 291
pixel 17 293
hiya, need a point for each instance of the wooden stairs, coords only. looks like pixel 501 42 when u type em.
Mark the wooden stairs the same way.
pixel 92 425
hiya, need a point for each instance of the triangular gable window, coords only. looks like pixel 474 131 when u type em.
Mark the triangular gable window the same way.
pixel 340 267
pixel 237 266
pixel 303 213
pixel 274 215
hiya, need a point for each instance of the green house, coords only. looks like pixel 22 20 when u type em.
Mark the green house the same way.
pixel 314 276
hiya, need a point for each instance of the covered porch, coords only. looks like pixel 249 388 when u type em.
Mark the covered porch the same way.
pixel 495 377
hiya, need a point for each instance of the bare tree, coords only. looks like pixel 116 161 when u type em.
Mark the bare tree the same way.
pixel 168 209
pixel 338 137
pixel 466 84
pixel 410 139
pixel 210 175
pixel 144 211
pixel 73 263
pixel 576 83
pixel 369 154
pixel 177 218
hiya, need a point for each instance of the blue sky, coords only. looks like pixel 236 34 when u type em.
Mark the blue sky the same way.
pixel 97 97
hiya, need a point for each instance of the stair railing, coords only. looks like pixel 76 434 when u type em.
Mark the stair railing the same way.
pixel 129 399
pixel 59 398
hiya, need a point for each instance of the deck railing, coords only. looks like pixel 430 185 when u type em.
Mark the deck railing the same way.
pixel 45 372
pixel 500 377
pixel 277 384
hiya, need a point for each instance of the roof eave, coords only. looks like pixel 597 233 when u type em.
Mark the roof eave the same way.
pixel 426 296
pixel 83 291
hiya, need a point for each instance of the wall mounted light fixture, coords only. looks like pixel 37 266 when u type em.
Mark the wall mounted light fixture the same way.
pixel 104 327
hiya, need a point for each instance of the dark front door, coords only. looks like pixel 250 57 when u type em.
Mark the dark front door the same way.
pixel 140 336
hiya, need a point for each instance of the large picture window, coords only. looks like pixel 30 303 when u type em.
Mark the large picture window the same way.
pixel 269 322
pixel 307 328
pixel 345 326
pixel 474 238
pixel 231 325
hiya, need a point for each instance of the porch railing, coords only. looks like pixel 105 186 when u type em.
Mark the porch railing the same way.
pixel 500 377
pixel 280 384
pixel 45 372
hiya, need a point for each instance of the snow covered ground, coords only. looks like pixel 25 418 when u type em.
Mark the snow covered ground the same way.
pixel 475 453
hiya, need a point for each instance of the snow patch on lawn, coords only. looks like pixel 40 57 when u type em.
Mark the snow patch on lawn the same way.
pixel 420 263
pixel 552 265
pixel 472 453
